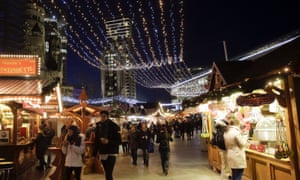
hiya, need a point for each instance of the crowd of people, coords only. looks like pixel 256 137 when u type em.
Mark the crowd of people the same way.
pixel 108 137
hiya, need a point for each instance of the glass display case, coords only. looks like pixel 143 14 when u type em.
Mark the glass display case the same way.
pixel 265 130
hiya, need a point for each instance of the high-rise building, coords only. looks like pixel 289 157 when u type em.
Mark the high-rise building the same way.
pixel 21 27
pixel 34 30
pixel 116 79
pixel 11 25
pixel 55 48
pixel 24 29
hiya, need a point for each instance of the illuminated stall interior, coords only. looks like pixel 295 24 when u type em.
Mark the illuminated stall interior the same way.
pixel 21 108
pixel 25 99
pixel 264 95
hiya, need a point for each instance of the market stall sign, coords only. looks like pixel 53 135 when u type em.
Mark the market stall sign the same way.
pixel 18 66
pixel 255 99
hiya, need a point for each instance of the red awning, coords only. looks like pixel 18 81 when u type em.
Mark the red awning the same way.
pixel 22 87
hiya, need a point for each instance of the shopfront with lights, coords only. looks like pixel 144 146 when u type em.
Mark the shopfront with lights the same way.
pixel 265 96
pixel 25 99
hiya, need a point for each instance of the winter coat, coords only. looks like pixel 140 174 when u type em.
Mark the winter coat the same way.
pixel 132 140
pixel 49 134
pixel 235 147
pixel 163 138
pixel 41 145
pixel 110 130
pixel 124 134
pixel 144 138
pixel 74 153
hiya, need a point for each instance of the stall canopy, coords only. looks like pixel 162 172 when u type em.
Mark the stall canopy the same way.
pixel 228 76
pixel 10 88
pixel 232 72
pixel 34 94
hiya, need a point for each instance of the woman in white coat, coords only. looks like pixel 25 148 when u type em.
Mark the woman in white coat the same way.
pixel 235 143
pixel 73 147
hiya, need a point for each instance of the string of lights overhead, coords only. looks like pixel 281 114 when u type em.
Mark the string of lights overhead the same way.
pixel 155 47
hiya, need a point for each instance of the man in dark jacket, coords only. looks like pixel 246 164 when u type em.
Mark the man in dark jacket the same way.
pixel 144 137
pixel 133 143
pixel 163 138
pixel 42 142
pixel 50 134
pixel 107 141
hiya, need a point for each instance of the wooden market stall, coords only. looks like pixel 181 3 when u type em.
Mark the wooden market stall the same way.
pixel 84 114
pixel 265 95
pixel 24 100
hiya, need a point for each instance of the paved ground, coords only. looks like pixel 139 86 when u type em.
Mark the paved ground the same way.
pixel 188 161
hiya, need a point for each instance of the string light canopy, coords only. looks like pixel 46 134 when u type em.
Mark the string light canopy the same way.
pixel 155 45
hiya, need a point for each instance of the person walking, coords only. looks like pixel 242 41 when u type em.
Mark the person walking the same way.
pixel 107 142
pixel 42 142
pixel 49 138
pixel 73 147
pixel 235 143
pixel 163 138
pixel 133 143
pixel 124 138
pixel 144 138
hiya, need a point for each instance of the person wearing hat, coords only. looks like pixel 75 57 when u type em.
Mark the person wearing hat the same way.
pixel 107 142
pixel 73 147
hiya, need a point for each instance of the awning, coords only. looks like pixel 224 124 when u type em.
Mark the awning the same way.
pixel 34 94
pixel 22 87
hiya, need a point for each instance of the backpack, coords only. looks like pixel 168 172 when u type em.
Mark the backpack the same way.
pixel 218 138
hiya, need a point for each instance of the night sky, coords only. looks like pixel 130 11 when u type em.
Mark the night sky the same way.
pixel 243 26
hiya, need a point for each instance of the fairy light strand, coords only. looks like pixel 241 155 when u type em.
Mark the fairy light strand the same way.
pixel 156 51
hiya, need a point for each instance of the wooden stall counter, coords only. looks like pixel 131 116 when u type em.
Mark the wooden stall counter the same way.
pixel 92 165
pixel 214 158
pixel 259 165
pixel 22 155
pixel 265 166
pixel 58 162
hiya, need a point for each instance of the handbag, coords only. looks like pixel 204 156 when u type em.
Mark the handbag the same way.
pixel 151 147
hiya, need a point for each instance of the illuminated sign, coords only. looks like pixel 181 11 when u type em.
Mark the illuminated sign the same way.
pixel 18 66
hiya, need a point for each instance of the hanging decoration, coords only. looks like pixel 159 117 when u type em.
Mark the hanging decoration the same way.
pixel 154 49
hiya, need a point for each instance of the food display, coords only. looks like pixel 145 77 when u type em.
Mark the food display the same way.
pixel 265 130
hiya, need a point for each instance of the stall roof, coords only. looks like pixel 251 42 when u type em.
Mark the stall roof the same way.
pixel 229 75
pixel 22 87
pixel 88 108
pixel 236 71
pixel 32 94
